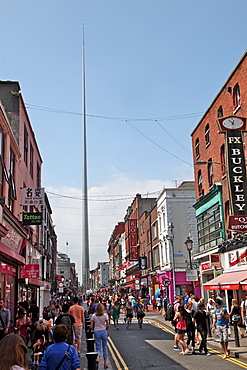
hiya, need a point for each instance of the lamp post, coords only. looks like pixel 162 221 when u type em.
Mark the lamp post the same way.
pixel 189 246
pixel 199 163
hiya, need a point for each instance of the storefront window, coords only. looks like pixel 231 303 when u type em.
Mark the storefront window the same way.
pixel 208 225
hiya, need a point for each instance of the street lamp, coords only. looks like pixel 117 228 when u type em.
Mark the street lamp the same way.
pixel 189 246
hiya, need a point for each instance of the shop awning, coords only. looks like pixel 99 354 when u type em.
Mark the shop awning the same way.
pixel 227 281
pixel 129 286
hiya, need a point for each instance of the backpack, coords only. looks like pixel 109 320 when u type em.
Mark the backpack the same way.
pixel 170 312
pixel 65 320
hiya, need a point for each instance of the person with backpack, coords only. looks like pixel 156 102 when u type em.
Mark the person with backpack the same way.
pixel 66 319
pixel 139 312
pixel 171 311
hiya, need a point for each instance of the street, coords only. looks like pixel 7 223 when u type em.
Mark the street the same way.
pixel 152 348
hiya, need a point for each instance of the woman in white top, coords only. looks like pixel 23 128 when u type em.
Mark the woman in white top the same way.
pixel 100 324
pixel 13 353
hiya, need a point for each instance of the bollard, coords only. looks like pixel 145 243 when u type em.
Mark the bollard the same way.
pixel 89 334
pixel 91 360
pixel 87 324
pixel 90 345
pixel 236 335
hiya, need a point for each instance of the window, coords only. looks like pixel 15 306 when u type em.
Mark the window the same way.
pixel 197 148
pixel 154 230
pixel 207 135
pixel 12 189
pixel 31 160
pixel 220 112
pixel 156 256
pixel 38 176
pixel 236 97
pixel 209 228
pixel 222 158
pixel 210 173
pixel 199 183
pixel 25 145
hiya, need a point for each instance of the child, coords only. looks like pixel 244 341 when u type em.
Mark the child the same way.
pixel 38 350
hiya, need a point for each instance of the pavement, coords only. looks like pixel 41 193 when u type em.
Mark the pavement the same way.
pixel 238 352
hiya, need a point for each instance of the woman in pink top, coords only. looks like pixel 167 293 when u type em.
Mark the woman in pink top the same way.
pixel 100 324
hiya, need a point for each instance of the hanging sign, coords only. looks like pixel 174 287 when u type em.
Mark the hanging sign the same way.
pixel 29 272
pixel 32 218
pixel 33 196
pixel 133 249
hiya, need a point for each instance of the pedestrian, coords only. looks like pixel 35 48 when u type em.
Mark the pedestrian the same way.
pixel 158 303
pixel 171 311
pixel 60 355
pixel 129 315
pixel 100 325
pixel 68 320
pixel 38 351
pixel 154 303
pixel 23 325
pixel 220 322
pixel 190 327
pixel 139 312
pixel 78 313
pixel 201 324
pixel 180 319
pixel 13 353
pixel 4 319
pixel 235 315
pixel 244 311
pixel 34 317
pixel 115 314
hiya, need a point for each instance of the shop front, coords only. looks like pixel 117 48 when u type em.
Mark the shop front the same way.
pixel 182 286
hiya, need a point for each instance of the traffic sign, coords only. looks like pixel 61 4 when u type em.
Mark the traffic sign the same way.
pixel 166 282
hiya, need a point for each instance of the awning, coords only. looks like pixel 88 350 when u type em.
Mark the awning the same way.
pixel 129 286
pixel 227 281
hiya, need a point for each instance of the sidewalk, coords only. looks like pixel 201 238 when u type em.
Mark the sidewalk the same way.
pixel 238 352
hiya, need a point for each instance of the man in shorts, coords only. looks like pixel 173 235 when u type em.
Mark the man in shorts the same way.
pixel 78 313
pixel 220 321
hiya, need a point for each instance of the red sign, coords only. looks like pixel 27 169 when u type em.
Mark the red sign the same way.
pixel 205 266
pixel 237 223
pixel 29 272
pixel 166 281
pixel 5 268
pixel 133 249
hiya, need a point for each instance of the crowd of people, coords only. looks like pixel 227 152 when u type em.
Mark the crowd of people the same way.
pixel 55 339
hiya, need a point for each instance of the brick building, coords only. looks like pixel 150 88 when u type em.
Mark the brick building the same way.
pixel 219 248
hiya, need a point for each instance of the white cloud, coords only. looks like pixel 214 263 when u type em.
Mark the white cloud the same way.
pixel 107 206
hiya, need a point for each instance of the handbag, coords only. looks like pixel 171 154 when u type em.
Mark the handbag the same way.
pixel 236 317
pixel 64 357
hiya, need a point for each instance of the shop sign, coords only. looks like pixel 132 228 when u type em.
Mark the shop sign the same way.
pixel 5 268
pixel 142 263
pixel 133 249
pixel 237 257
pixel 13 239
pixel 191 275
pixel 29 272
pixel 33 196
pixel 137 286
pixel 205 266
pixel 32 218
pixel 214 259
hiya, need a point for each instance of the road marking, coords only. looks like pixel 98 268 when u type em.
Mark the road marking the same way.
pixel 125 367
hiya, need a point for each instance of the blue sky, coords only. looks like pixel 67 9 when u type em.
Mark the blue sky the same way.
pixel 152 69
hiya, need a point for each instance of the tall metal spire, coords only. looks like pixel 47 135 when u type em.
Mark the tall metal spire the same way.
pixel 85 237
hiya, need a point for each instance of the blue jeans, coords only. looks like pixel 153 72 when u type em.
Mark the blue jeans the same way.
pixel 101 336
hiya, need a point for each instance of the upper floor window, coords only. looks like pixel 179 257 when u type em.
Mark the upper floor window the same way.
pixel 25 145
pixel 38 176
pixel 207 135
pixel 12 189
pixel 220 112
pixel 197 148
pixel 222 158
pixel 154 230
pixel 199 183
pixel 31 160
pixel 236 97
pixel 210 173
